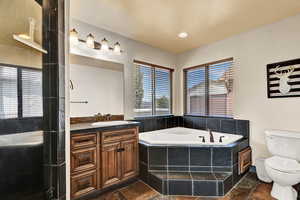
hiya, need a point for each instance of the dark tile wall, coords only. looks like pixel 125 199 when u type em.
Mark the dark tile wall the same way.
pixel 21 170
pixel 54 99
pixel 225 125
pixel 232 126
pixel 201 159
pixel 158 122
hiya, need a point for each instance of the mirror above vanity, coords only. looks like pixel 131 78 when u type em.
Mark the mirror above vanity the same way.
pixel 97 89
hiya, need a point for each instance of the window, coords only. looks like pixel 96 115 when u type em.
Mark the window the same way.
pixel 209 89
pixel 20 92
pixel 152 90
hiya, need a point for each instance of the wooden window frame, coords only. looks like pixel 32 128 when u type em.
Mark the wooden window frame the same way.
pixel 207 102
pixel 153 67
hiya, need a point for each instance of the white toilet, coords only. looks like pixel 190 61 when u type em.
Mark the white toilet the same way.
pixel 283 167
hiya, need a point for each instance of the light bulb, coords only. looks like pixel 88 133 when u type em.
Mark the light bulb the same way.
pixel 74 36
pixel 90 41
pixel 104 45
pixel 117 48
pixel 183 34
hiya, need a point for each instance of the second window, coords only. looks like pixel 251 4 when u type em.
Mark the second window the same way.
pixel 153 90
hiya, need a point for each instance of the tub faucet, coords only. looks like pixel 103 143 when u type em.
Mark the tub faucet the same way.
pixel 211 136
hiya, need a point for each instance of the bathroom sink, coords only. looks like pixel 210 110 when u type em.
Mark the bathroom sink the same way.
pixel 109 123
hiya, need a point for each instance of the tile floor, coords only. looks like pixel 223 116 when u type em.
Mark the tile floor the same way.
pixel 249 188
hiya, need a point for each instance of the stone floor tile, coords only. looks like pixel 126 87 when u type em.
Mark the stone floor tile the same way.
pixel 115 195
pixel 138 191
pixel 161 197
pixel 262 192
pixel 237 194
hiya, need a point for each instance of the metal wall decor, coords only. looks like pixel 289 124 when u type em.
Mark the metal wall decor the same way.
pixel 284 79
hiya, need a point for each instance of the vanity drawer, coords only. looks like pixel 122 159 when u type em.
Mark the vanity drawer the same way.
pixel 83 183
pixel 83 159
pixel 83 140
pixel 118 135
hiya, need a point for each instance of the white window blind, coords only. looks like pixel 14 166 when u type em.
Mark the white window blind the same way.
pixel 32 93
pixel 152 90
pixel 20 92
pixel 143 91
pixel 162 92
pixel 8 92
pixel 209 89
pixel 196 91
pixel 220 89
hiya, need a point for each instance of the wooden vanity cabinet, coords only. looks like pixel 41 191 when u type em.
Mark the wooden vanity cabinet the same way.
pixel 119 156
pixel 129 158
pixel 102 159
pixel 111 164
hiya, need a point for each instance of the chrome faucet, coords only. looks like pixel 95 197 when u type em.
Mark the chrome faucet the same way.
pixel 101 117
pixel 211 136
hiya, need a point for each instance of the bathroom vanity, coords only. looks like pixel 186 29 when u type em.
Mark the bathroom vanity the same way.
pixel 103 155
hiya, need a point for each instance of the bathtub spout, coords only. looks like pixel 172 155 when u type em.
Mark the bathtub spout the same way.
pixel 211 136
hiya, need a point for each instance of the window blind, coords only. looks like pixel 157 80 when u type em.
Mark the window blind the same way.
pixel 8 93
pixel 143 91
pixel 152 90
pixel 20 92
pixel 32 93
pixel 196 91
pixel 220 89
pixel 162 92
pixel 209 89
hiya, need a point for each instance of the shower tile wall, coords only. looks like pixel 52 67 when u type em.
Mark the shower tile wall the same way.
pixel 54 99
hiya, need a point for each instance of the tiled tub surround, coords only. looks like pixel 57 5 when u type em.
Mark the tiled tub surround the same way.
pixel 21 165
pixel 192 170
pixel 197 171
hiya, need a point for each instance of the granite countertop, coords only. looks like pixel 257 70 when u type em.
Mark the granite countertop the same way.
pixel 102 126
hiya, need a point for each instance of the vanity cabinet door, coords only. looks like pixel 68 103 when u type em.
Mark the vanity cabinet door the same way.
pixel 129 157
pixel 111 165
pixel 83 183
pixel 83 160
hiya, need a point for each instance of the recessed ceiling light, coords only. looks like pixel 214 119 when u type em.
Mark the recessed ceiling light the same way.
pixel 183 34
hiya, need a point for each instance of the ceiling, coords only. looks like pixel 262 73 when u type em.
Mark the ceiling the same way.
pixel 158 22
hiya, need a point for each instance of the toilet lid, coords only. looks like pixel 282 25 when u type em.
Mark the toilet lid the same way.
pixel 283 164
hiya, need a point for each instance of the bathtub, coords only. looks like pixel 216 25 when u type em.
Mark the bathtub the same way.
pixel 22 139
pixel 186 137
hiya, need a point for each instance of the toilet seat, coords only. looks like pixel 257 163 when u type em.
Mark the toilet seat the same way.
pixel 284 165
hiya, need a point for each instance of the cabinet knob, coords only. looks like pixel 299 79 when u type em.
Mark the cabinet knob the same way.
pixel 120 150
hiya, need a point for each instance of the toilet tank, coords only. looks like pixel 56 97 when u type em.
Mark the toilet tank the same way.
pixel 284 143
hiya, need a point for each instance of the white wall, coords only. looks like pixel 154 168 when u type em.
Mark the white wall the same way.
pixel 102 88
pixel 252 51
pixel 132 50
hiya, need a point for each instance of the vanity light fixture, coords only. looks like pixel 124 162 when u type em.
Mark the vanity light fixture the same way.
pixel 74 37
pixel 117 48
pixel 183 35
pixel 90 41
pixel 104 45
